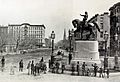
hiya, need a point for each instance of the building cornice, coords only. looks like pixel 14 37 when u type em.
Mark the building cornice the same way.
pixel 26 24
pixel 114 6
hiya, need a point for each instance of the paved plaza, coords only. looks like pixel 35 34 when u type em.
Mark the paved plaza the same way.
pixel 50 77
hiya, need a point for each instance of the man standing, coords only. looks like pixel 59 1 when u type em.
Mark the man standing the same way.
pixel 70 57
pixel 28 67
pixel 57 67
pixel 95 69
pixel 32 68
pixel 83 68
pixel 3 62
pixel 107 72
pixel 21 66
pixel 63 67
pixel 73 68
pixel 101 72
pixel 44 67
pixel 78 68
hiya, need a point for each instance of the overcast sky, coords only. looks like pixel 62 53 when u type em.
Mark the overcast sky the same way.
pixel 54 14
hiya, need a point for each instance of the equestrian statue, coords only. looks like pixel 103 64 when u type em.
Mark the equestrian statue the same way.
pixel 85 27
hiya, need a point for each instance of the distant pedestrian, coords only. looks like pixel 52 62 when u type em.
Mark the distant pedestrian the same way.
pixel 44 67
pixel 40 67
pixel 83 68
pixel 53 68
pixel 3 63
pixel 12 69
pixel 73 68
pixel 88 73
pixel 29 67
pixel 78 68
pixel 101 72
pixel 57 67
pixel 49 63
pixel 42 59
pixel 107 72
pixel 35 69
pixel 21 66
pixel 95 69
pixel 63 67
pixel 32 68
pixel 70 58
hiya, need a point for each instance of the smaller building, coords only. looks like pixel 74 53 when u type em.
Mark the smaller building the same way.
pixel 103 21
pixel 3 38
pixel 114 27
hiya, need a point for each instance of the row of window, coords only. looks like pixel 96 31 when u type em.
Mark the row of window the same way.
pixel 36 28
pixel 29 27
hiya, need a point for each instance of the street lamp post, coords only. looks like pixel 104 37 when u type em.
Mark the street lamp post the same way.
pixel 52 56
pixel 70 40
pixel 106 35
pixel 116 52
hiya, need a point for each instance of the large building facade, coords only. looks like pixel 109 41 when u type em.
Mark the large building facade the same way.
pixel 114 26
pixel 20 32
pixel 103 21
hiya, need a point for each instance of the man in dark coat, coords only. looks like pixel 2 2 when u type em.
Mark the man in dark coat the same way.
pixel 78 68
pixel 57 67
pixel 3 61
pixel 83 68
pixel 73 68
pixel 21 66
pixel 101 72
pixel 32 68
pixel 63 67
pixel 95 69
pixel 107 72
pixel 70 57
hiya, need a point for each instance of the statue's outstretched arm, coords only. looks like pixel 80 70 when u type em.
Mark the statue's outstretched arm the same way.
pixel 82 15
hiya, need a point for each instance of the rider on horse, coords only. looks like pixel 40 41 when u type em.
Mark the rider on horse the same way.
pixel 84 19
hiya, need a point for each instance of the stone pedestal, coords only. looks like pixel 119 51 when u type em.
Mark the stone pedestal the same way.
pixel 86 51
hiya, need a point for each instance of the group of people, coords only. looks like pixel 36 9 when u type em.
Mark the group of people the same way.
pixel 78 69
pixel 56 67
pixel 36 68
pixel 89 71
pixel 60 67
pixel 32 67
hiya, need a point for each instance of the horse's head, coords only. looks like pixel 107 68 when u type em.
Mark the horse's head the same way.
pixel 76 23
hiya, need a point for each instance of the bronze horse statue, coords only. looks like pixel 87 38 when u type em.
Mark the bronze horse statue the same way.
pixel 87 27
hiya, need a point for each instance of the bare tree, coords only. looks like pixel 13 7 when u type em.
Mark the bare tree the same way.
pixel 3 40
pixel 28 43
